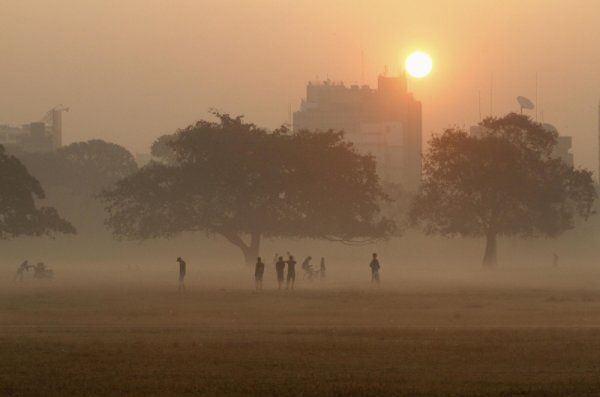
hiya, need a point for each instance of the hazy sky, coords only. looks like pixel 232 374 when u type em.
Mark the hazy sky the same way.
pixel 132 70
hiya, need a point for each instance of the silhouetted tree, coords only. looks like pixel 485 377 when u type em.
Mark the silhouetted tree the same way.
pixel 19 215
pixel 237 180
pixel 505 182
pixel 73 175
pixel 84 168
pixel 161 149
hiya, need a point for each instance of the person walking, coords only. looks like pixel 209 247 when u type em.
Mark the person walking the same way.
pixel 259 270
pixel 182 270
pixel 279 269
pixel 291 273
pixel 374 269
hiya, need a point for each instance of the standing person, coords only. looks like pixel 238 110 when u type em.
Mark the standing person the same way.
pixel 555 260
pixel 259 270
pixel 23 267
pixel 181 274
pixel 322 268
pixel 279 269
pixel 374 269
pixel 291 274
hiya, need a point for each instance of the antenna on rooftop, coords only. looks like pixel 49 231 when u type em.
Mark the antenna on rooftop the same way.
pixel 362 67
pixel 525 103
pixel 536 96
pixel 491 94
pixel 479 99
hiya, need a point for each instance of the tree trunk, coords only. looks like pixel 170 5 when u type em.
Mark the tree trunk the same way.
pixel 489 258
pixel 250 251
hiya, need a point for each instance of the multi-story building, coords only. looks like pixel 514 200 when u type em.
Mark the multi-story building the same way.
pixel 384 122
pixel 38 136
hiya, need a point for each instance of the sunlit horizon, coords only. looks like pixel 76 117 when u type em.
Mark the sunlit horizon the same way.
pixel 133 72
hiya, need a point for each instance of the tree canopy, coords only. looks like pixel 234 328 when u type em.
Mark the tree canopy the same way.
pixel 505 182
pixel 84 168
pixel 240 181
pixel 19 215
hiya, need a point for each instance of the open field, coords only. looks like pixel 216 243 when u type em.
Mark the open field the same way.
pixel 69 340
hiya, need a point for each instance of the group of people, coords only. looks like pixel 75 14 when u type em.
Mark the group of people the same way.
pixel 309 271
pixel 280 264
pixel 39 270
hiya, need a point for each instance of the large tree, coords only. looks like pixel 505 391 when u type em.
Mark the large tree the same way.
pixel 73 175
pixel 505 182
pixel 82 168
pixel 239 181
pixel 19 215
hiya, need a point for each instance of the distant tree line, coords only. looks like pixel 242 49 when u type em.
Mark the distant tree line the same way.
pixel 231 178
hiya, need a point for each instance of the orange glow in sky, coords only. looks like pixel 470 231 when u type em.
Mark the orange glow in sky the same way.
pixel 133 70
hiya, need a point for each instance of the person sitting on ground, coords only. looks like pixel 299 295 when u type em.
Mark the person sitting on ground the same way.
pixel 40 271
pixel 258 273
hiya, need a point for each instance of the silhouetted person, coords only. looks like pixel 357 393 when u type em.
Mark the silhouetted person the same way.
pixel 182 269
pixel 374 269
pixel 555 260
pixel 322 268
pixel 279 269
pixel 23 267
pixel 306 263
pixel 291 273
pixel 259 270
pixel 307 267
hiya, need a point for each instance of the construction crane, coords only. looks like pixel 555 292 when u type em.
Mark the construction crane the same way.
pixel 48 117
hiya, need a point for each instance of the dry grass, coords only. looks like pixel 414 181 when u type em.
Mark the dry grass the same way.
pixel 154 342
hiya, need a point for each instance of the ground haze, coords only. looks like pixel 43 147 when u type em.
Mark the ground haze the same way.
pixel 472 336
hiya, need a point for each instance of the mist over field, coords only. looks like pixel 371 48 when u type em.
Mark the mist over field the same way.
pixel 276 198
pixel 113 323
pixel 412 261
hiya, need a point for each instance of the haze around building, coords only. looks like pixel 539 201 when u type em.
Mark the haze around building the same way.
pixel 131 71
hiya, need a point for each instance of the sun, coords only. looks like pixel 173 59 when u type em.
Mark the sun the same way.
pixel 418 64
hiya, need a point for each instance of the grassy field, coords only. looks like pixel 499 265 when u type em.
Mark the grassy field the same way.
pixel 152 341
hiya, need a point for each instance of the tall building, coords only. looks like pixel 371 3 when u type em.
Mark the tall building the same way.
pixel 385 122
pixel 39 136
